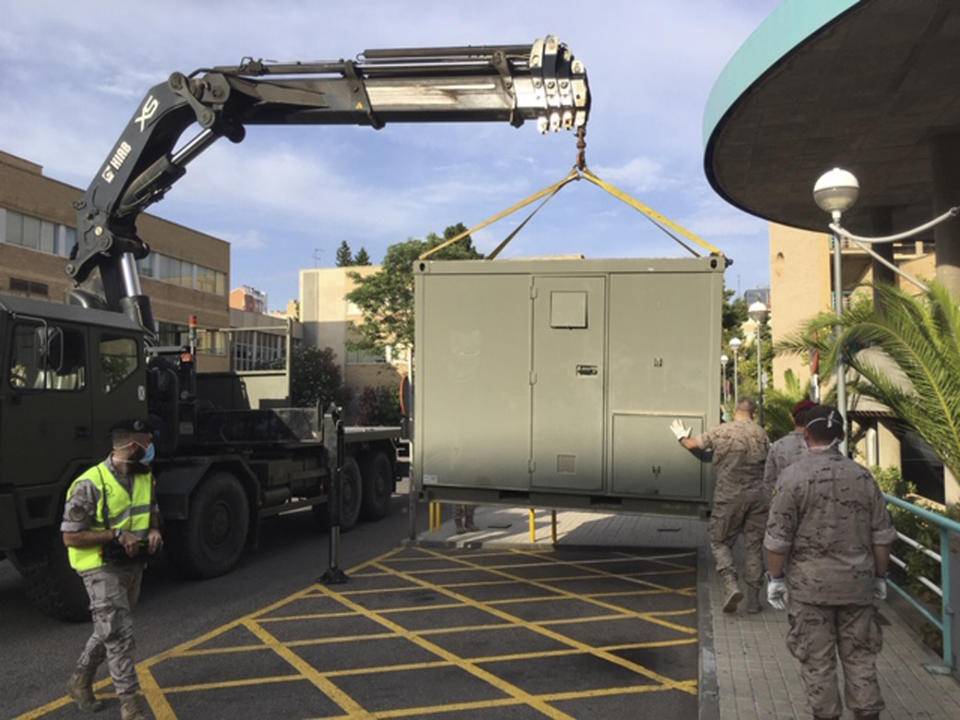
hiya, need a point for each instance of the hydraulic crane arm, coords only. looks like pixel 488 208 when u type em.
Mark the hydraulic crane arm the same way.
pixel 512 83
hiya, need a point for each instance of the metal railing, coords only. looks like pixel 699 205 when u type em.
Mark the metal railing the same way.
pixel 945 623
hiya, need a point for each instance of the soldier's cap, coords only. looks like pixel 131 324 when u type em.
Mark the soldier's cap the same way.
pixel 801 407
pixel 138 425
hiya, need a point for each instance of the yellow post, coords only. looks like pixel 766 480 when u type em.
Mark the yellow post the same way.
pixel 533 525
pixel 553 526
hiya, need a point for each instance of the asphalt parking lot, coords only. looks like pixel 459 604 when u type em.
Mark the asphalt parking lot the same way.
pixel 449 633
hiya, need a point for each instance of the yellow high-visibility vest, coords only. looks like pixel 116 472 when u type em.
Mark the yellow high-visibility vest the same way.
pixel 128 512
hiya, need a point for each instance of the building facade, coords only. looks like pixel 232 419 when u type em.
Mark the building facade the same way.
pixel 328 319
pixel 186 273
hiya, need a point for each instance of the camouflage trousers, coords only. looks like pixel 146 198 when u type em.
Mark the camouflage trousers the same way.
pixel 463 516
pixel 817 633
pixel 113 592
pixel 730 519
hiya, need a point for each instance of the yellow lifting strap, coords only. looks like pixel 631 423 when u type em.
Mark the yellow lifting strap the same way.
pixel 550 191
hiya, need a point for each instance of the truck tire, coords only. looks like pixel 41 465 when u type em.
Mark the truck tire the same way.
pixel 377 475
pixel 210 541
pixel 52 586
pixel 352 499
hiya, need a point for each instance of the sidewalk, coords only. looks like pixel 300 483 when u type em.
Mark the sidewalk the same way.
pixel 746 671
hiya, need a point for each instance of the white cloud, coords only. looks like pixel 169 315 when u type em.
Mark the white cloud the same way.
pixel 249 240
pixel 639 174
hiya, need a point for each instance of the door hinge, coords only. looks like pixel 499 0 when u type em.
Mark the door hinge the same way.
pixel 533 292
pixel 531 465
pixel 533 378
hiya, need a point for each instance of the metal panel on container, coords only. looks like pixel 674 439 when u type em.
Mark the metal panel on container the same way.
pixel 647 464
pixel 473 357
pixel 568 379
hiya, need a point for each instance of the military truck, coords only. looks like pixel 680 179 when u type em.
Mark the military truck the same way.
pixel 228 454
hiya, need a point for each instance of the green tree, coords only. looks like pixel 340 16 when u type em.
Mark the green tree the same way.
pixel 906 352
pixel 778 406
pixel 315 376
pixel 344 256
pixel 386 297
pixel 361 258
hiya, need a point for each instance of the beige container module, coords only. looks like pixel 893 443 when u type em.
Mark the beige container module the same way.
pixel 553 383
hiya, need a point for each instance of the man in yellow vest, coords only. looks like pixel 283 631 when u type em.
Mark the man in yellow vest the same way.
pixel 110 524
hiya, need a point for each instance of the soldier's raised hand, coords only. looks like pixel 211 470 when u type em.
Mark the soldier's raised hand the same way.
pixel 679 430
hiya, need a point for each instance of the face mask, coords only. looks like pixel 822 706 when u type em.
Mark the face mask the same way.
pixel 149 454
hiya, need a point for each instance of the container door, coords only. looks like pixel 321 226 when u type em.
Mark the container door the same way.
pixel 568 379
pixel 649 463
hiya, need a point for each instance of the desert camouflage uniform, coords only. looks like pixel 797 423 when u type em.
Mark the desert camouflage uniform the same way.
pixel 826 516
pixel 113 591
pixel 463 517
pixel 783 453
pixel 740 503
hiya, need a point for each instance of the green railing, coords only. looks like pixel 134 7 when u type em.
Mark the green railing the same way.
pixel 945 622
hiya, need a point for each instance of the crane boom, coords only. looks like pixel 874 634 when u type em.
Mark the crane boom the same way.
pixel 512 83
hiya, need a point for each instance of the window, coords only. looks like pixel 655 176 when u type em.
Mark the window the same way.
pixel 118 361
pixel 29 287
pixel 48 237
pixel 221 283
pixel 171 334
pixel 206 280
pixel 168 269
pixel 69 240
pixel 363 357
pixel 147 265
pixel 31 233
pixel 14 228
pixel 186 274
pixel 211 342
pixel 46 357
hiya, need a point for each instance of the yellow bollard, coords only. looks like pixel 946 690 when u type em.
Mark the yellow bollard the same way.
pixel 533 526
pixel 553 526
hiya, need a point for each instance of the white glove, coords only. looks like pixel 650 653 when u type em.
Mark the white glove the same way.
pixel 680 430
pixel 879 588
pixel 777 593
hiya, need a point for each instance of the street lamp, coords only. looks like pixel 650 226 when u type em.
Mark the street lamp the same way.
pixel 735 344
pixel 835 192
pixel 723 372
pixel 758 313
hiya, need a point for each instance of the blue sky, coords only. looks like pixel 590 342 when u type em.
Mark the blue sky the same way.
pixel 288 196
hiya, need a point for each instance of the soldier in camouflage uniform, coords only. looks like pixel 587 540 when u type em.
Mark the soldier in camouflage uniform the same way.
pixel 828 518
pixel 111 507
pixel 740 503
pixel 788 449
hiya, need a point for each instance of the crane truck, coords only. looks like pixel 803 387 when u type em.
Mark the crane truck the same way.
pixel 224 460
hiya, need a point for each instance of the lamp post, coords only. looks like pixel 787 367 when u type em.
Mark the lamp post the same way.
pixel 723 373
pixel 835 192
pixel 735 344
pixel 758 313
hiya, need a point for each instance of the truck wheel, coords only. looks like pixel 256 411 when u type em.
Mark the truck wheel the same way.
pixel 52 586
pixel 377 475
pixel 209 543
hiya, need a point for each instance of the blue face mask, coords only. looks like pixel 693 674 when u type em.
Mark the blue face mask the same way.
pixel 148 454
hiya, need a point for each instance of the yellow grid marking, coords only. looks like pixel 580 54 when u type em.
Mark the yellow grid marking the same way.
pixel 245 682
pixel 353 711
pixel 639 669
pixel 490 678
pixel 308 671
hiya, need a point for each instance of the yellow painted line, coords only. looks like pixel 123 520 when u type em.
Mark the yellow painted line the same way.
pixel 246 682
pixel 604 573
pixel 189 644
pixel 452 707
pixel 309 672
pixel 687 686
pixel 305 616
pixel 154 696
pixel 380 669
pixel 590 618
pixel 489 678
pixel 416 608
pixel 639 669
pixel 463 629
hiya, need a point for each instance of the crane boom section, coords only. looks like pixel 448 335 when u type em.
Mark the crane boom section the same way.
pixel 508 83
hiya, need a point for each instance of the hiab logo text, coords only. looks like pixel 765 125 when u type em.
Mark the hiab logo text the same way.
pixel 149 108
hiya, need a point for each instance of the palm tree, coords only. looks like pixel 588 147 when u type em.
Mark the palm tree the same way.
pixel 906 351
pixel 778 406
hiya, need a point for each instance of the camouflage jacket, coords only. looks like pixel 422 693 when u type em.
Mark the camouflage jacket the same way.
pixel 783 453
pixel 827 515
pixel 739 451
